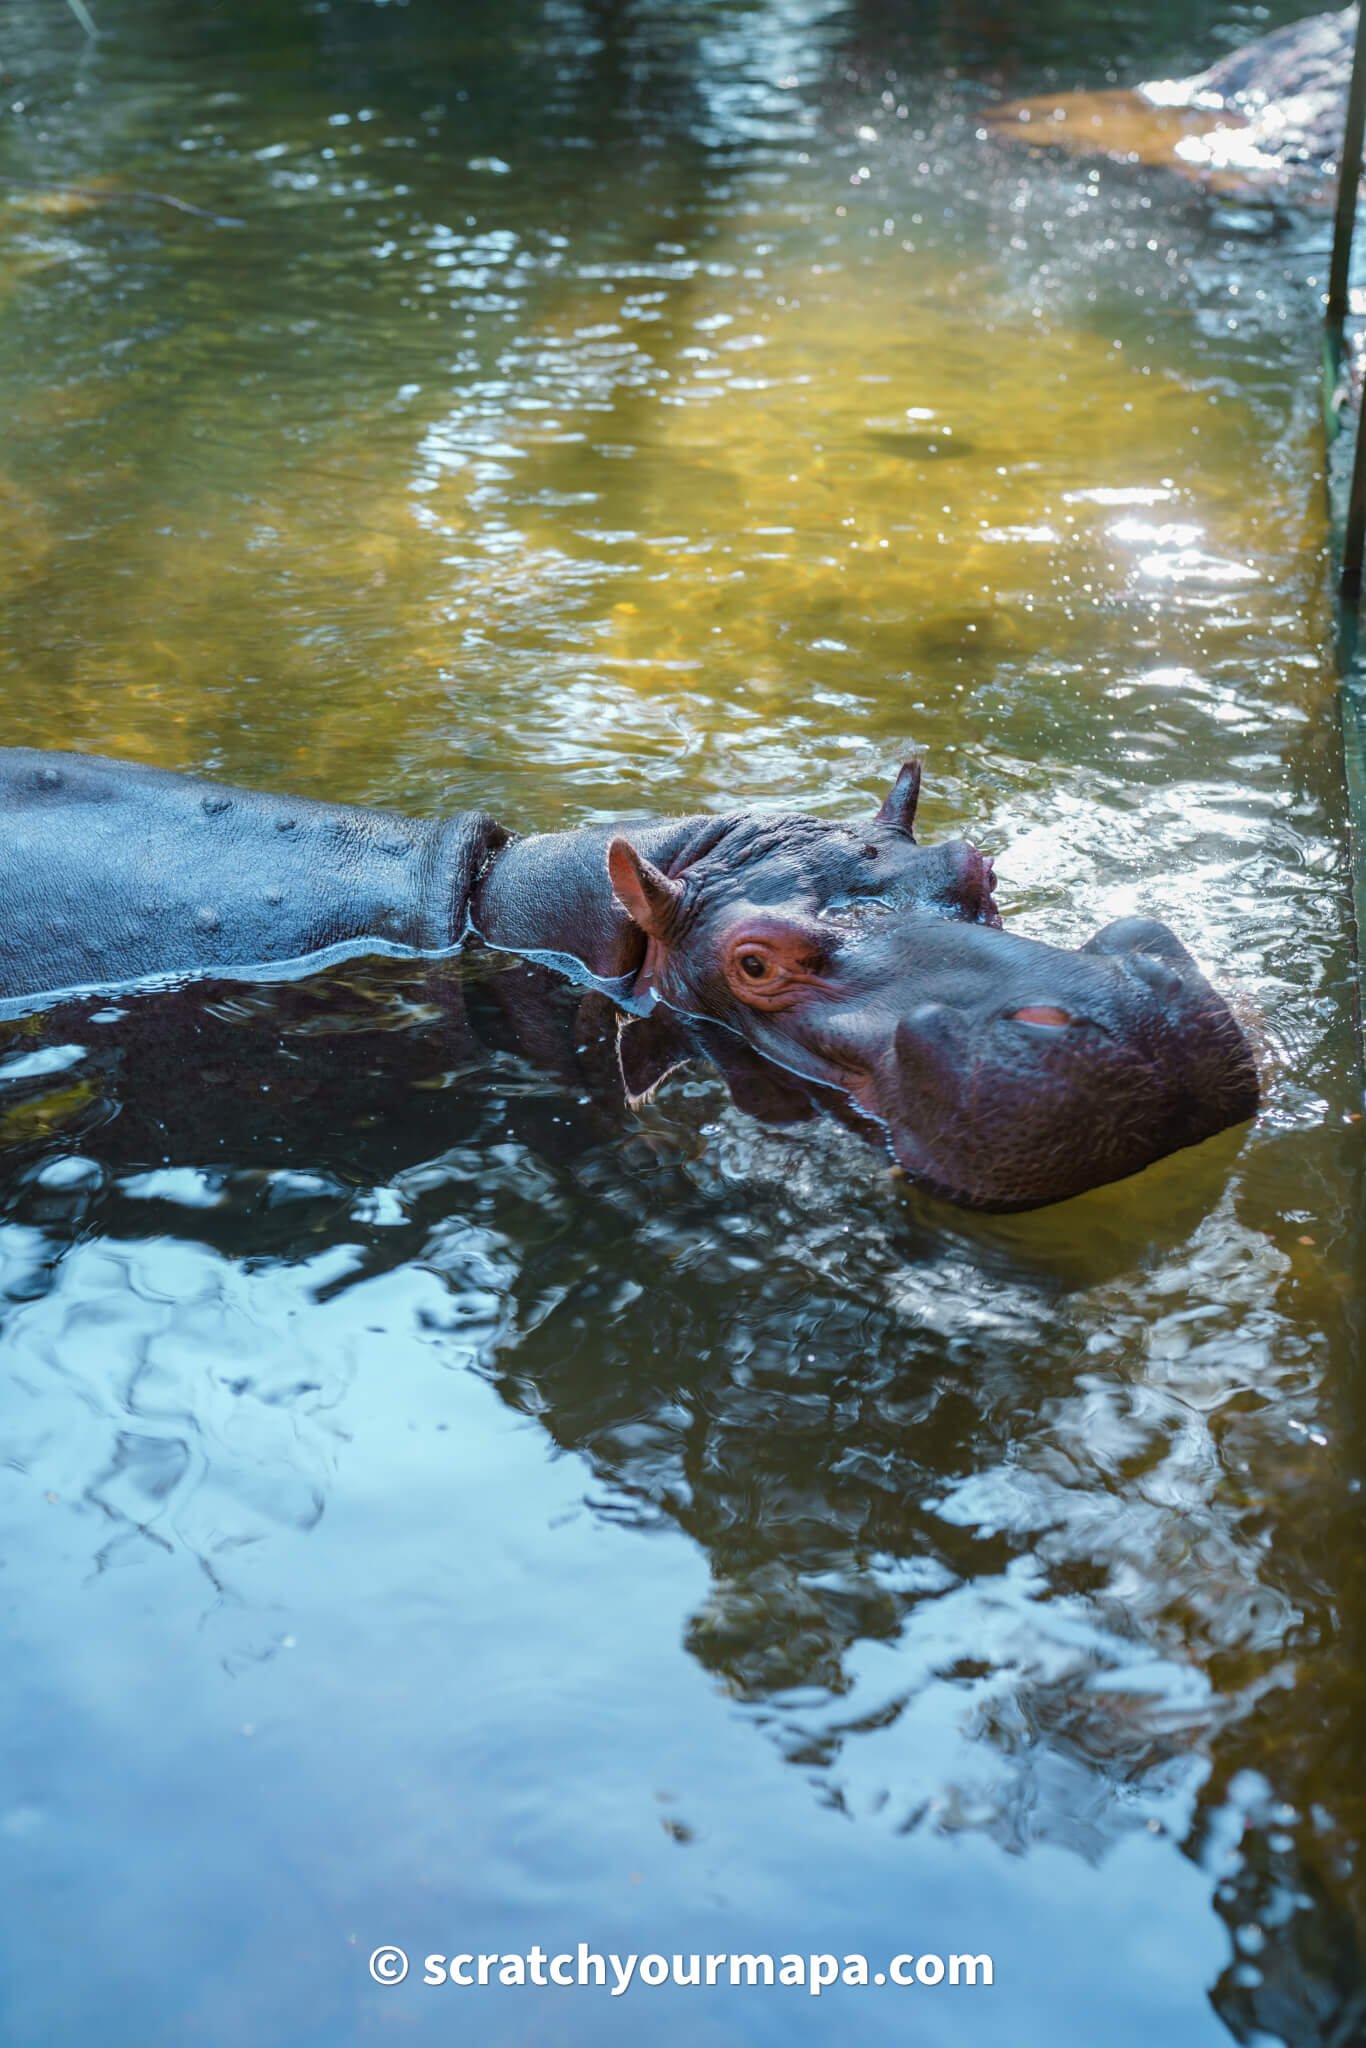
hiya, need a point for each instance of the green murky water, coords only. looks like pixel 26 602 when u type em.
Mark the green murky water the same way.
pixel 439 1506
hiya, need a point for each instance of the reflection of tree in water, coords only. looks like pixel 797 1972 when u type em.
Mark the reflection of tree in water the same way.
pixel 888 1443
pixel 1091 1525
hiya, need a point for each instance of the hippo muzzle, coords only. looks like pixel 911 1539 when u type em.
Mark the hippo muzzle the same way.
pixel 1035 1073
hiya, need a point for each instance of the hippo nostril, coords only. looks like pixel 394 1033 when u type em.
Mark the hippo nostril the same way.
pixel 1158 975
pixel 1042 1013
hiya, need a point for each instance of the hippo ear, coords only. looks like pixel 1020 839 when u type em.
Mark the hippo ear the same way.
pixel 648 897
pixel 898 806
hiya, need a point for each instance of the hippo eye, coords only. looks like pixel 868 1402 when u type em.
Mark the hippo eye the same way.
pixel 869 853
pixel 753 966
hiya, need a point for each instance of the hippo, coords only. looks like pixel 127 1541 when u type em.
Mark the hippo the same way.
pixel 1001 1072
pixel 1268 115
pixel 114 872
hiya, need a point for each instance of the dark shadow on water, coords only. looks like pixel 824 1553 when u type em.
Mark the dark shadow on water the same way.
pixel 367 1072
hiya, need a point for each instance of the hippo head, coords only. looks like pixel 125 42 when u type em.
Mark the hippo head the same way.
pixel 1007 1074
pixel 662 906
pixel 793 873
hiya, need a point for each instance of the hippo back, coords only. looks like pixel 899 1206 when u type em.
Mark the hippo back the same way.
pixel 111 872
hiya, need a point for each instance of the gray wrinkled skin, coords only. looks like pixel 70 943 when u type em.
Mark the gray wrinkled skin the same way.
pixel 1149 1059
pixel 112 872
pixel 1007 1074
pixel 549 893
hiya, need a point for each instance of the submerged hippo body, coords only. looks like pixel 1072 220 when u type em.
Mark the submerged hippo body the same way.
pixel 1003 1073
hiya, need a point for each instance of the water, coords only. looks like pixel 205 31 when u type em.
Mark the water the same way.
pixel 440 1506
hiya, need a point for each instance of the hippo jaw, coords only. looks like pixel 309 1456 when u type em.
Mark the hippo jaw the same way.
pixel 1070 1074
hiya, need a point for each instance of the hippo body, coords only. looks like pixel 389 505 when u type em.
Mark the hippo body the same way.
pixel 112 872
pixel 1002 1073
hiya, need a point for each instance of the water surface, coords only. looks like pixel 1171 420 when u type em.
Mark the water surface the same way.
pixel 440 1506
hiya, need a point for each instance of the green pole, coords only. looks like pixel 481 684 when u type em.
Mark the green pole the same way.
pixel 1349 180
pixel 1349 176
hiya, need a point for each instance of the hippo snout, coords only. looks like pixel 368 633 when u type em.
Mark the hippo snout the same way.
pixel 925 1055
pixel 1157 976
pixel 1047 1072
pixel 1154 958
